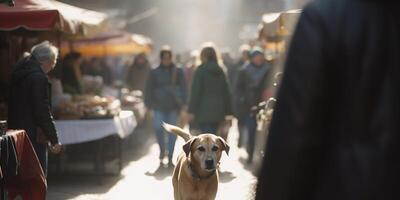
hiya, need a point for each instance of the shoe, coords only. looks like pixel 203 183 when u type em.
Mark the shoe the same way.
pixel 161 164
pixel 170 164
pixel 249 160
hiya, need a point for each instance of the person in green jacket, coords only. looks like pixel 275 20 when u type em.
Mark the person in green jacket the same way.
pixel 210 100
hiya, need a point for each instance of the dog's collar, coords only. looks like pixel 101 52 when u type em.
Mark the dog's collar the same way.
pixel 196 176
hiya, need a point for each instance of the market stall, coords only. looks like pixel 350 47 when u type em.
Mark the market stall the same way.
pixel 86 122
pixel 45 15
pixel 109 44
pixel 278 26
pixel 276 29
pixel 32 21
pixel 119 127
pixel 275 33
pixel 99 49
pixel 86 130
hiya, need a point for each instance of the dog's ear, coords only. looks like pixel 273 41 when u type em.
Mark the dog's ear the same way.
pixel 188 146
pixel 225 145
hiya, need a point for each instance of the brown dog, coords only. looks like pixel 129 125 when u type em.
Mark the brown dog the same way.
pixel 195 176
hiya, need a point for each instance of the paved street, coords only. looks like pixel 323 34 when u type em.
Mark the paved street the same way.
pixel 140 178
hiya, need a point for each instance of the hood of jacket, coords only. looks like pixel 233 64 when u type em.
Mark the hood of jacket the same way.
pixel 213 68
pixel 24 68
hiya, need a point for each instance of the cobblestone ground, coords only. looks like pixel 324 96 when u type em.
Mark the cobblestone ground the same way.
pixel 142 179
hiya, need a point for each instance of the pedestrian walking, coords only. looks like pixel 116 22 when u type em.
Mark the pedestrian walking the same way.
pixel 335 129
pixel 138 73
pixel 29 106
pixel 210 100
pixel 71 76
pixel 165 94
pixel 190 68
pixel 250 85
pixel 233 73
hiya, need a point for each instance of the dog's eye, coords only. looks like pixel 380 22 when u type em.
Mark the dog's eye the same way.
pixel 215 148
pixel 201 149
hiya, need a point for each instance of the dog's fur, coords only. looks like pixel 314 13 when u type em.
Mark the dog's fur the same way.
pixel 195 176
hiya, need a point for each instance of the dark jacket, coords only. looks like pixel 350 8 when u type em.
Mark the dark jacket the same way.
pixel 29 101
pixel 335 130
pixel 163 95
pixel 249 89
pixel 137 76
pixel 210 99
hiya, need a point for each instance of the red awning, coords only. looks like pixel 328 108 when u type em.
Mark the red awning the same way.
pixel 38 15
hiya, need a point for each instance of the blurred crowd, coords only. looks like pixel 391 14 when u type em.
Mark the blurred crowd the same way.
pixel 204 88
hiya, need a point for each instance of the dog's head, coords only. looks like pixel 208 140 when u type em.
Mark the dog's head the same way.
pixel 206 150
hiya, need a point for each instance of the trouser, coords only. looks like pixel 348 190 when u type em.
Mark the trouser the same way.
pixel 170 118
pixel 251 124
pixel 42 154
pixel 241 130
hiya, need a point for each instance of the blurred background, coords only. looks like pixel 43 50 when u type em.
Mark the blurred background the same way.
pixel 107 49
pixel 186 24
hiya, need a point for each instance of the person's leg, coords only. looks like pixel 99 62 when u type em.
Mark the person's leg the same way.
pixel 41 152
pixel 252 128
pixel 172 119
pixel 241 130
pixel 158 119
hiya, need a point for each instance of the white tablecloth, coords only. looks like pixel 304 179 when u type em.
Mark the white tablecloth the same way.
pixel 78 131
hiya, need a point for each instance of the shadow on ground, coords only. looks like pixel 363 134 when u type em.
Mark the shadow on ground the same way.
pixel 226 177
pixel 80 179
pixel 79 185
pixel 252 167
pixel 161 172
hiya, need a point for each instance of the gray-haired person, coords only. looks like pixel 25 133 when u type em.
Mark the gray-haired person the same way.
pixel 29 105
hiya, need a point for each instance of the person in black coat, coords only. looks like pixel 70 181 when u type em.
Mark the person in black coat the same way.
pixel 29 100
pixel 335 130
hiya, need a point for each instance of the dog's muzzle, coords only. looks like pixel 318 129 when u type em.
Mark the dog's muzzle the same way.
pixel 210 164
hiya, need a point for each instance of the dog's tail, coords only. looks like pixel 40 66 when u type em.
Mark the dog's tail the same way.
pixel 177 131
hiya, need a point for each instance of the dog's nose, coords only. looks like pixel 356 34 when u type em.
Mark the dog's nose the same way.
pixel 209 163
